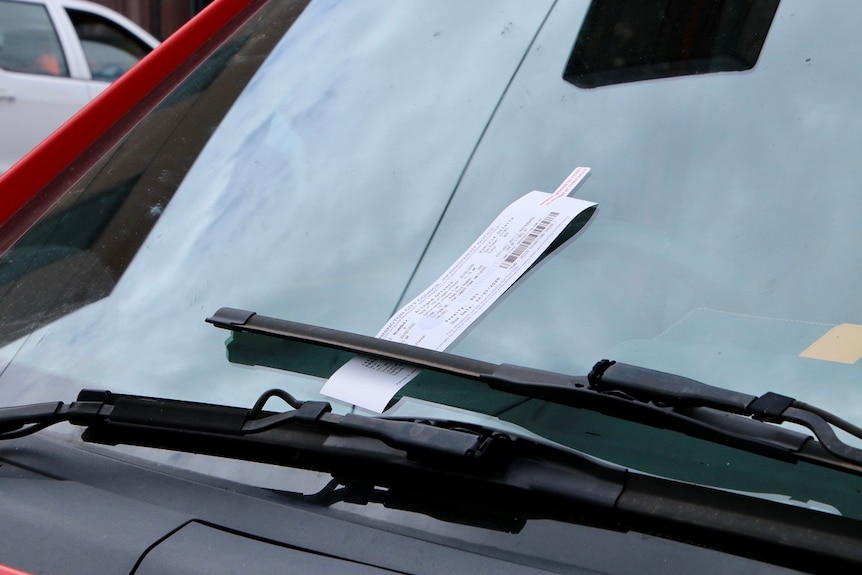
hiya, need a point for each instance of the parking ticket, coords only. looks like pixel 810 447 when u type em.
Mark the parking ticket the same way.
pixel 439 315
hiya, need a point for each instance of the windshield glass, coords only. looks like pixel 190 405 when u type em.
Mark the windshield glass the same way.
pixel 328 170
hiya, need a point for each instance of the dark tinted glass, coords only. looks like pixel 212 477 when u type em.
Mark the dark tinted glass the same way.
pixel 630 40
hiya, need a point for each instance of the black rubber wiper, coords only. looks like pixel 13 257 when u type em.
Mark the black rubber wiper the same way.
pixel 476 475
pixel 103 409
pixel 637 394
pixel 660 388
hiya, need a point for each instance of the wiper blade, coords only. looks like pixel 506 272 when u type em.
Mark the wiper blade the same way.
pixel 97 409
pixel 637 394
pixel 483 476
pixel 452 457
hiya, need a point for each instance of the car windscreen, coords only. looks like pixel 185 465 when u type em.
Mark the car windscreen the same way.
pixel 328 170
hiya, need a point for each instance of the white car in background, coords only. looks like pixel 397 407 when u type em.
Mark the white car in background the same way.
pixel 55 56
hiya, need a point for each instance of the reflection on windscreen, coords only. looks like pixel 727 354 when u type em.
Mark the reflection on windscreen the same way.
pixel 77 253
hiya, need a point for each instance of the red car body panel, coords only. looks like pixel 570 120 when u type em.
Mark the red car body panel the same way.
pixel 25 190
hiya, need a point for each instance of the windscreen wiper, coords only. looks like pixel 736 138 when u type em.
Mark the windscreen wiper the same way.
pixel 634 393
pixel 480 475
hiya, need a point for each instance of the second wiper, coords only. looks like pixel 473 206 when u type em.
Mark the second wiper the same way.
pixel 475 475
pixel 637 394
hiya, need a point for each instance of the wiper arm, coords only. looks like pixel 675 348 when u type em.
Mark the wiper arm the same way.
pixel 453 458
pixel 637 394
pixel 662 388
pixel 103 409
pixel 468 467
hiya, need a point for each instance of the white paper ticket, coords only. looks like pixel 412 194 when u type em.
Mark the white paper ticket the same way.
pixel 440 314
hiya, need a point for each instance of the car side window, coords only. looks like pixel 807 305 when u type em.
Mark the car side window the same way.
pixel 28 41
pixel 110 50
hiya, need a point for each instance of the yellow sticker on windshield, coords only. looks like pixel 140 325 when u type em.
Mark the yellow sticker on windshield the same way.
pixel 842 344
